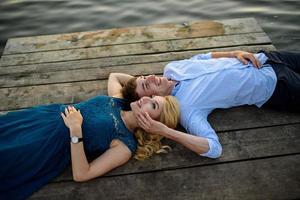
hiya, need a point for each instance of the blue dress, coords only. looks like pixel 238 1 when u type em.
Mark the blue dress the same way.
pixel 35 143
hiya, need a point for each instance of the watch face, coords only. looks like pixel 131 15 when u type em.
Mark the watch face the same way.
pixel 74 140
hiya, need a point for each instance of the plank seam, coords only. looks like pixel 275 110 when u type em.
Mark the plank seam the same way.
pixel 152 53
pixel 118 44
pixel 259 127
pixel 133 63
pixel 187 167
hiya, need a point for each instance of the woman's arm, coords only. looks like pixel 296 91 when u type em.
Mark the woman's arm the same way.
pixel 204 146
pixel 115 83
pixel 116 155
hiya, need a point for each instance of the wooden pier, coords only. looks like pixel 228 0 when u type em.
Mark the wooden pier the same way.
pixel 261 148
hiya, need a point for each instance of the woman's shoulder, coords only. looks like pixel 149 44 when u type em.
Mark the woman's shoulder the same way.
pixel 129 140
pixel 125 135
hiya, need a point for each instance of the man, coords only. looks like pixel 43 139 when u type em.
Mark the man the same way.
pixel 215 80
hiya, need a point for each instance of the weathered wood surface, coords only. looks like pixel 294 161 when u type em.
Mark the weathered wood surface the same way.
pixel 134 49
pixel 132 35
pixel 260 147
pixel 98 69
pixel 270 178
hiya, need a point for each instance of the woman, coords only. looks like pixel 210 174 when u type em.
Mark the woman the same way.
pixel 37 144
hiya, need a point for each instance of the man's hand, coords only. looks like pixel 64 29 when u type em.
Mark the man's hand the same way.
pixel 244 57
pixel 150 125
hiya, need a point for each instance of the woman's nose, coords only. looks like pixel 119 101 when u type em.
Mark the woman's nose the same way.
pixel 145 99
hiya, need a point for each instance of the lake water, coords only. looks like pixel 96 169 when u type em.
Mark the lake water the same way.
pixel 280 19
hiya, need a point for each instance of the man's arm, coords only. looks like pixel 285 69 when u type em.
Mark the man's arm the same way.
pixel 243 56
pixel 115 83
pixel 197 144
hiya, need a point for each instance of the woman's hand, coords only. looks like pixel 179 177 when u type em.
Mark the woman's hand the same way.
pixel 244 57
pixel 72 117
pixel 149 125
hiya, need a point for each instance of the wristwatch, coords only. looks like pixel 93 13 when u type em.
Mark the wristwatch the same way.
pixel 75 139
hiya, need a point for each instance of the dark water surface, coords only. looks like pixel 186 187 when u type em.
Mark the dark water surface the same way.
pixel 279 18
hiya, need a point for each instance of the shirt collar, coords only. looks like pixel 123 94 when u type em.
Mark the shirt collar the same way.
pixel 176 88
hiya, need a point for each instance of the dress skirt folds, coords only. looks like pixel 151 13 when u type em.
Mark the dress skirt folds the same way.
pixel 34 146
pixel 35 143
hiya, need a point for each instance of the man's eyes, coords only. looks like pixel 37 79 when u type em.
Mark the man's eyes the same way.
pixel 145 86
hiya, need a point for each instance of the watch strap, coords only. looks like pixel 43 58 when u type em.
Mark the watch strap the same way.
pixel 80 139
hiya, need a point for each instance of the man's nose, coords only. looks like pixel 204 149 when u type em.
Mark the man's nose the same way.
pixel 151 78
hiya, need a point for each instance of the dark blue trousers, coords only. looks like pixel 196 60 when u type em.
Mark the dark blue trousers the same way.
pixel 287 92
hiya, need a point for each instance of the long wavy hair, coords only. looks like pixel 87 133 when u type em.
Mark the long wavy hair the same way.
pixel 148 144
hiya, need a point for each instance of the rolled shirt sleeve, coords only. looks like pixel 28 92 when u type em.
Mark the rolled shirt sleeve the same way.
pixel 215 149
pixel 201 56
pixel 199 126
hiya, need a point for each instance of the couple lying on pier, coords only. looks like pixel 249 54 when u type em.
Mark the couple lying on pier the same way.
pixel 38 143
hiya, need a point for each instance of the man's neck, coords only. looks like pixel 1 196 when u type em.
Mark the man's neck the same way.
pixel 172 84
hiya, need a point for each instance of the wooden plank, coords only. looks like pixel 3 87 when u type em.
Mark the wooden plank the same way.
pixel 272 178
pixel 122 60
pixel 251 116
pixel 94 70
pixel 135 49
pixel 29 79
pixel 22 97
pixel 237 145
pixel 131 35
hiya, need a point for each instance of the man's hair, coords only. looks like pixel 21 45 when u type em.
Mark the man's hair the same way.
pixel 129 90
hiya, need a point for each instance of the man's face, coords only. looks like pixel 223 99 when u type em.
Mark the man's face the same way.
pixel 152 85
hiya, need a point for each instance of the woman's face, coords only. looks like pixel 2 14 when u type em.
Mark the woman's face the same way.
pixel 152 105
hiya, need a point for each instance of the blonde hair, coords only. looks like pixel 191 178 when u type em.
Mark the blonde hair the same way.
pixel 151 143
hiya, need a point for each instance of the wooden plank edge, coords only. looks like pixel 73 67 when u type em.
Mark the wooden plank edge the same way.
pixel 135 49
pixel 121 60
pixel 129 35
pixel 258 179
